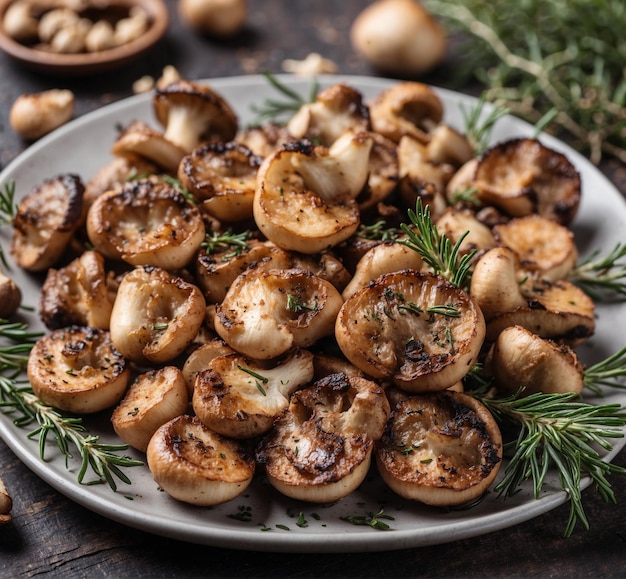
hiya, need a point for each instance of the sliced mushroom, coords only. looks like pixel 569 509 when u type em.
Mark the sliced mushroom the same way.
pixel 195 465
pixel 335 110
pixel 264 140
pixel 447 146
pixel 141 140
pixel 414 328
pixel 146 222
pixel 154 398
pixel 46 220
pixel 222 179
pixel 522 176
pixel 239 398
pixel 77 294
pixel 383 172
pixel 305 197
pixel 320 448
pixel 523 361
pixel 442 449
pixel 193 113
pixel 266 313
pixel 78 369
pixel 156 315
pixel 406 108
pixel 544 247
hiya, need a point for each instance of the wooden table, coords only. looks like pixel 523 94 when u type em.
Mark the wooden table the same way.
pixel 51 535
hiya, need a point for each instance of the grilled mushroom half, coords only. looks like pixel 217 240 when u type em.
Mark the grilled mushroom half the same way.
pixel 240 398
pixel 78 369
pixel 146 222
pixel 523 176
pixel 195 465
pixel 154 398
pixel 440 448
pixel 156 315
pixel 77 294
pixel 305 196
pixel 320 448
pixel 46 220
pixel 266 313
pixel 415 329
pixel 222 179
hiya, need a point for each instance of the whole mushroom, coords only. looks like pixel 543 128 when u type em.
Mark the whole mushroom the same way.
pixel 34 115
pixel 398 37
pixel 220 18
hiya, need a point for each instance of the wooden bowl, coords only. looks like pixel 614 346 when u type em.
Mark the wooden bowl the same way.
pixel 90 62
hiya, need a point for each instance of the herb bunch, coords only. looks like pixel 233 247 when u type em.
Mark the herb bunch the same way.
pixel 534 56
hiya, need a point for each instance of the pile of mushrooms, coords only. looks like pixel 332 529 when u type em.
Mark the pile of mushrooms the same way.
pixel 241 303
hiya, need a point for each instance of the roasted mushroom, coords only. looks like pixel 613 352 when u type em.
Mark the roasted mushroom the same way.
pixel 237 397
pixel 193 113
pixel 320 448
pixel 441 448
pixel 305 197
pixel 146 222
pixel 46 220
pixel 266 313
pixel 156 315
pixel 195 465
pixel 78 369
pixel 415 329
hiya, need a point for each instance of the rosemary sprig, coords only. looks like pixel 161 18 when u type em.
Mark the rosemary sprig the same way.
pixel 7 203
pixel 602 277
pixel 218 242
pixel 377 231
pixel 557 432
pixel 276 110
pixel 68 432
pixel 526 56
pixel 436 250
pixel 606 372
pixel 478 126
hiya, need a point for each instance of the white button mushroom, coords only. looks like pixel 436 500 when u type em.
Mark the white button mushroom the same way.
pixel 220 18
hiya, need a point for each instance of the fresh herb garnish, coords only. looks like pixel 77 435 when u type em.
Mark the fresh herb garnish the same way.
pixel 436 249
pixel 219 242
pixel 602 277
pixel 374 520
pixel 8 208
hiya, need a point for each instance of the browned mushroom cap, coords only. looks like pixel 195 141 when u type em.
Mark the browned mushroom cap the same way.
pixel 45 221
pixel 146 222
pixel 222 178
pixel 522 176
pixel 337 109
pixel 522 360
pixel 192 113
pixel 416 329
pixel 77 294
pixel 116 173
pixel 140 140
pixel 264 140
pixel 545 248
pixel 320 448
pixel 406 108
pixel 442 448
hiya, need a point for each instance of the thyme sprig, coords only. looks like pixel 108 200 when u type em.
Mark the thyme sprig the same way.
pixel 436 249
pixel 479 125
pixel 602 277
pixel 557 432
pixel 374 520
pixel 526 56
pixel 68 432
pixel 377 231
pixel 276 110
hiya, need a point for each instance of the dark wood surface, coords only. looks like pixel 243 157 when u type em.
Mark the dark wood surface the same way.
pixel 51 535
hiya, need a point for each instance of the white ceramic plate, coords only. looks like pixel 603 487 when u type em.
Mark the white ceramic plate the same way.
pixel 82 147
